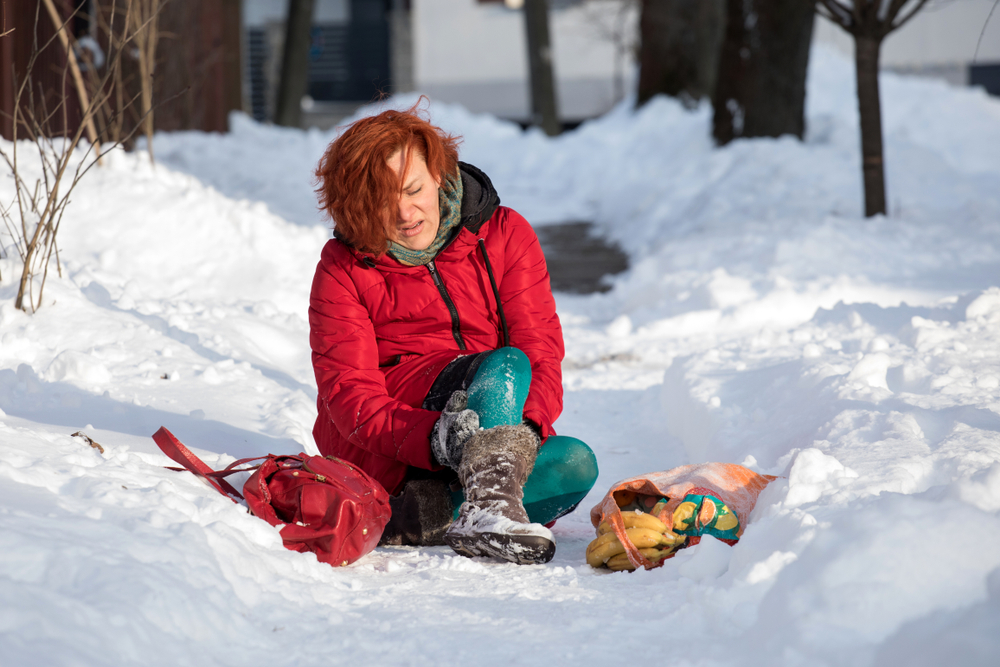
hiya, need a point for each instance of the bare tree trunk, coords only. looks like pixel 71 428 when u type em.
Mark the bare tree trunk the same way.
pixel 733 85
pixel 401 45
pixel 679 50
pixel 294 63
pixel 869 22
pixel 789 27
pixel 866 53
pixel 145 16
pixel 761 87
pixel 544 110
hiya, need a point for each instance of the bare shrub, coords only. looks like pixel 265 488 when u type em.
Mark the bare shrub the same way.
pixel 47 129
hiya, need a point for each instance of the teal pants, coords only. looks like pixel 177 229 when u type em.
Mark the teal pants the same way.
pixel 565 469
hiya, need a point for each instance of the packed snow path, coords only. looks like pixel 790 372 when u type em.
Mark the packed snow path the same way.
pixel 579 261
pixel 763 321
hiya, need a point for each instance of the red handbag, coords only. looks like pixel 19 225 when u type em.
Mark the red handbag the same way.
pixel 320 504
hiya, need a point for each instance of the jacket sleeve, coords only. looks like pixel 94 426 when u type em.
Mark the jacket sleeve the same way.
pixel 351 387
pixel 534 327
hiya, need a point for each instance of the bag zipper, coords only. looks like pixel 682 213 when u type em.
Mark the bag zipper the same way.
pixel 319 477
pixel 456 325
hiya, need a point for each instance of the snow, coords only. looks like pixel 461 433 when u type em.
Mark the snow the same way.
pixel 764 321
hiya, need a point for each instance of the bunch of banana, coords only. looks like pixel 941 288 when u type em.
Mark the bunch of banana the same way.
pixel 650 535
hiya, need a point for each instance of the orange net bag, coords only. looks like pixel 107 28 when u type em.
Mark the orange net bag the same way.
pixel 689 500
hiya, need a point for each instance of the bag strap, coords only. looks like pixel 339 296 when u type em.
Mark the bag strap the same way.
pixel 173 448
pixel 227 471
pixel 231 468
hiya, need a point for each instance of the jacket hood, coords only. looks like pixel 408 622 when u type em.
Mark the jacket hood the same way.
pixel 479 198
pixel 479 201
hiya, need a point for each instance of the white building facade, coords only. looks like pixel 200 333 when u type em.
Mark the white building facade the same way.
pixel 940 41
pixel 474 52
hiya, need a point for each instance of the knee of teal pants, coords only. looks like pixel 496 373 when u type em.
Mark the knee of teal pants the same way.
pixel 500 387
pixel 564 473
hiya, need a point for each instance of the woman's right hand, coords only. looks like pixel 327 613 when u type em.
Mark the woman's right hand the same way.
pixel 453 429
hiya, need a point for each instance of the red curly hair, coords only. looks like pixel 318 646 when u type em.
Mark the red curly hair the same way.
pixel 359 190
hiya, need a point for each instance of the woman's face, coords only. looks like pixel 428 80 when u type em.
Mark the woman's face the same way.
pixel 418 213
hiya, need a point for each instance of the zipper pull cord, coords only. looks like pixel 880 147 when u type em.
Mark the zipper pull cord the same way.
pixel 496 293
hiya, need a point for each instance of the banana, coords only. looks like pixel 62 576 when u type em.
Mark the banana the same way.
pixel 621 561
pixel 656 555
pixel 602 539
pixel 635 520
pixel 673 539
pixel 608 545
pixel 644 537
pixel 603 548
pixel 639 520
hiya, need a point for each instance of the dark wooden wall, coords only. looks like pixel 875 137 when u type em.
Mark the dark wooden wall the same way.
pixel 198 77
pixel 51 79
pixel 199 60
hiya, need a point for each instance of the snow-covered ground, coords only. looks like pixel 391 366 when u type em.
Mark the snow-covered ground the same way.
pixel 764 322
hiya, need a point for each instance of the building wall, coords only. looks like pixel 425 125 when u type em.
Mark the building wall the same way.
pixel 475 54
pixel 347 64
pixel 258 13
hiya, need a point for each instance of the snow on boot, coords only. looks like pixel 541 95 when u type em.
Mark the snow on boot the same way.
pixel 492 522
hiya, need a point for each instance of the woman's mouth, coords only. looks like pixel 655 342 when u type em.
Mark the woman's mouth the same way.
pixel 412 230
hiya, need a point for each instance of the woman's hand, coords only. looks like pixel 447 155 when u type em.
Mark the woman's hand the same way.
pixel 455 426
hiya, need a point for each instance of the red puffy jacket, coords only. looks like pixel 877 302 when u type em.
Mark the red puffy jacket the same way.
pixel 381 332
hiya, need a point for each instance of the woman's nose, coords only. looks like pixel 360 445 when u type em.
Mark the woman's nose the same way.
pixel 406 210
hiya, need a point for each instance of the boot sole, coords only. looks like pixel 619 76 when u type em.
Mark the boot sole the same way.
pixel 520 549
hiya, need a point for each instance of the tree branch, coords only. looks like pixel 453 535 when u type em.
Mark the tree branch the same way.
pixel 898 24
pixel 858 8
pixel 825 13
pixel 893 10
pixel 839 13
pixel 983 32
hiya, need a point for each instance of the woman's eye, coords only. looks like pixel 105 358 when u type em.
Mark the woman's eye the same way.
pixel 413 192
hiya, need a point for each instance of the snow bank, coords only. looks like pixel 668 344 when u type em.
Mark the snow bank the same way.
pixel 763 322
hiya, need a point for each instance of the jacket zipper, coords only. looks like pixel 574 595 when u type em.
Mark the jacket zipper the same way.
pixel 456 325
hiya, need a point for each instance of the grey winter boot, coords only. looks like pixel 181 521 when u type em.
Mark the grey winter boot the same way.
pixel 492 522
pixel 420 514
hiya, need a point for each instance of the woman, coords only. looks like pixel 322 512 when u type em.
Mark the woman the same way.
pixel 437 348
